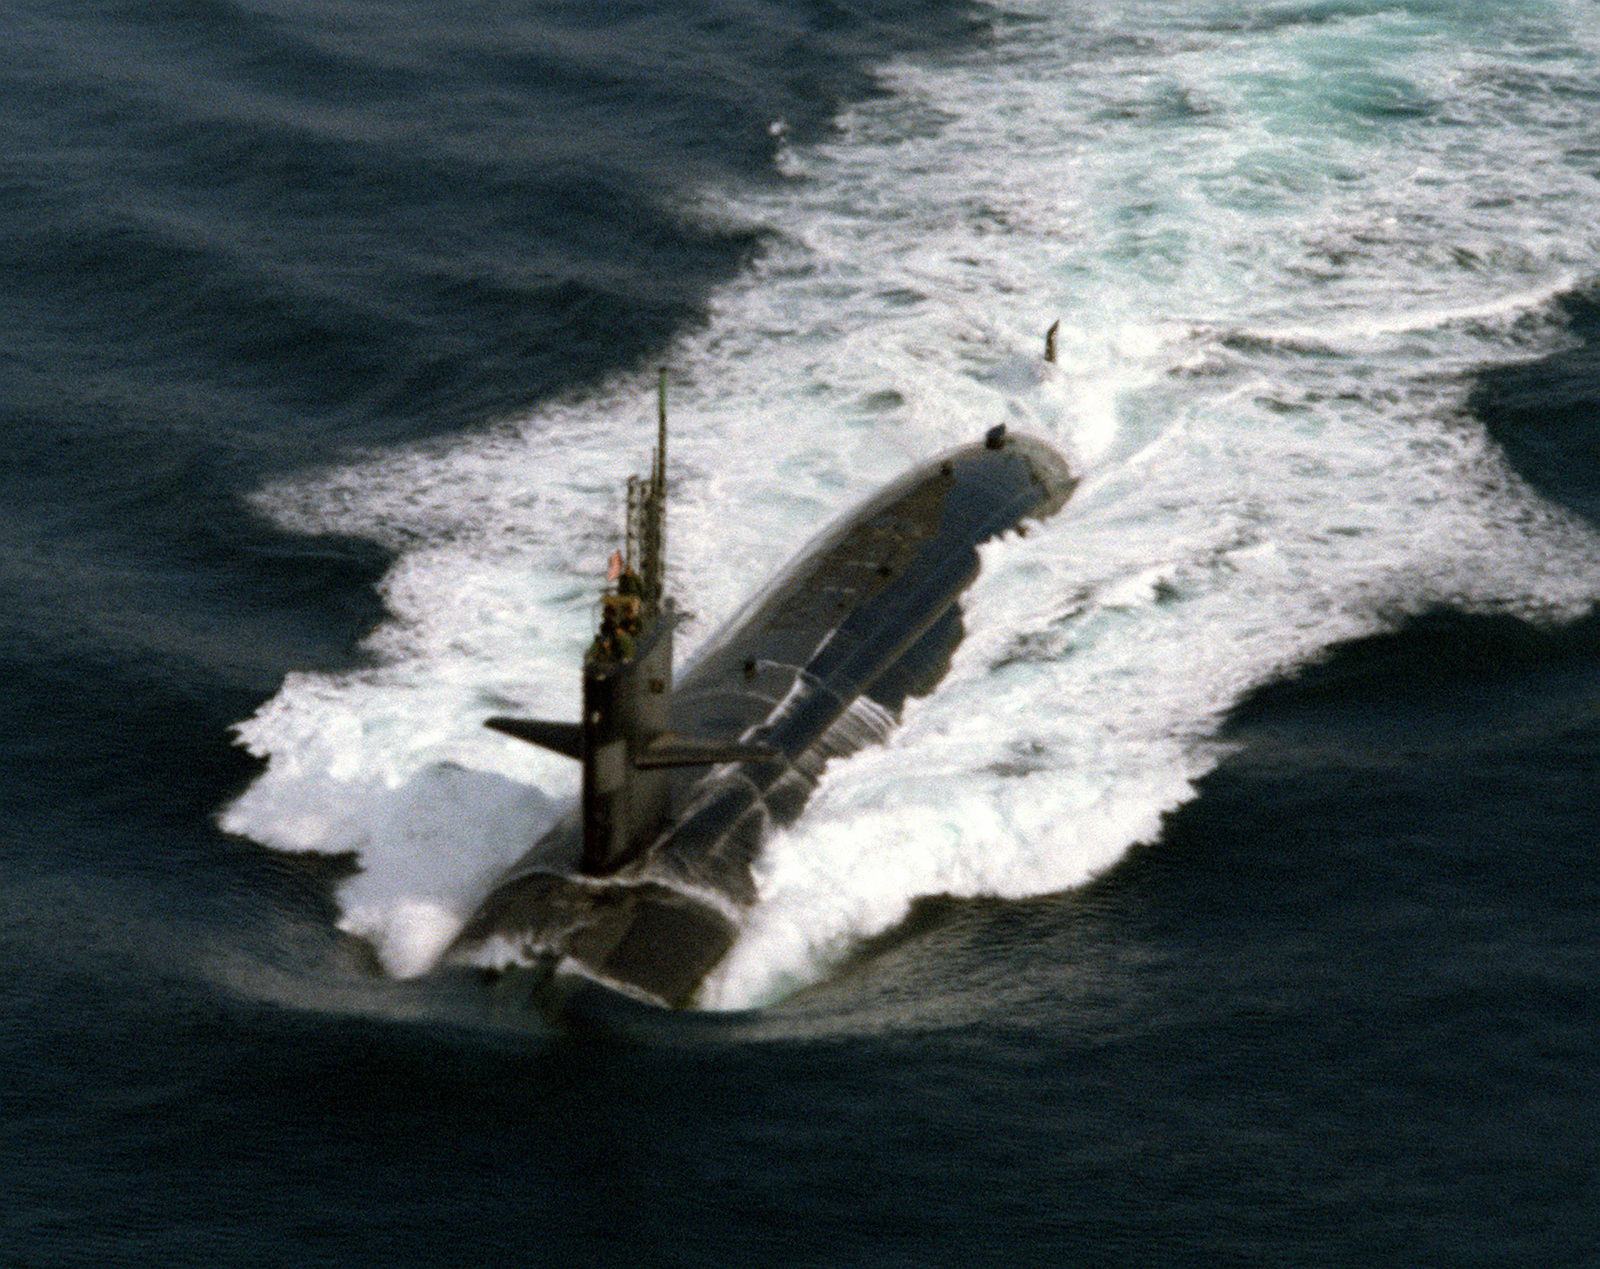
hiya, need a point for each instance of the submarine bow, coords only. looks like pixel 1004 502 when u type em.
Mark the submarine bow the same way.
pixel 642 888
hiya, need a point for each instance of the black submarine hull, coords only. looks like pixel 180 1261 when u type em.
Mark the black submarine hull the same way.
pixel 816 666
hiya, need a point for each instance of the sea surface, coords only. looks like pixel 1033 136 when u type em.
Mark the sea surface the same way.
pixel 1235 900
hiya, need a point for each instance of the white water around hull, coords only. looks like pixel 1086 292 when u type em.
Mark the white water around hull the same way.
pixel 1277 253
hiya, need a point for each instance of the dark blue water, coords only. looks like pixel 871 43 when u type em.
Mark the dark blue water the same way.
pixel 1341 1011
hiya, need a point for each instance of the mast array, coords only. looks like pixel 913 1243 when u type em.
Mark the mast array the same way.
pixel 646 533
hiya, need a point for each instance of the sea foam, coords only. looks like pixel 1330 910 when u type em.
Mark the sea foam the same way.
pixel 1275 262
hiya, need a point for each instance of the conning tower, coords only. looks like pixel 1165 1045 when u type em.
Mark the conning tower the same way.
pixel 625 738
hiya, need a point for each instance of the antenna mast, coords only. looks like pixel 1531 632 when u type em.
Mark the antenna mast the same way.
pixel 652 531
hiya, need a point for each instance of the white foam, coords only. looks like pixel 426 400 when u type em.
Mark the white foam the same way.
pixel 1269 307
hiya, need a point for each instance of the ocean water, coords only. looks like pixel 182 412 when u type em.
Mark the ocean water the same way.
pixel 1232 902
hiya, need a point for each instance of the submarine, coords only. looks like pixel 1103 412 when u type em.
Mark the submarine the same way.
pixel 642 888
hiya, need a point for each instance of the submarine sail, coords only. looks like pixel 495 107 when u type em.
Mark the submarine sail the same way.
pixel 643 887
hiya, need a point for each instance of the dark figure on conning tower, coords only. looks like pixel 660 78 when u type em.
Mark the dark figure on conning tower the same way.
pixel 621 618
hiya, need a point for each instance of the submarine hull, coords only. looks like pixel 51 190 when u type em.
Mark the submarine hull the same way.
pixel 817 666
